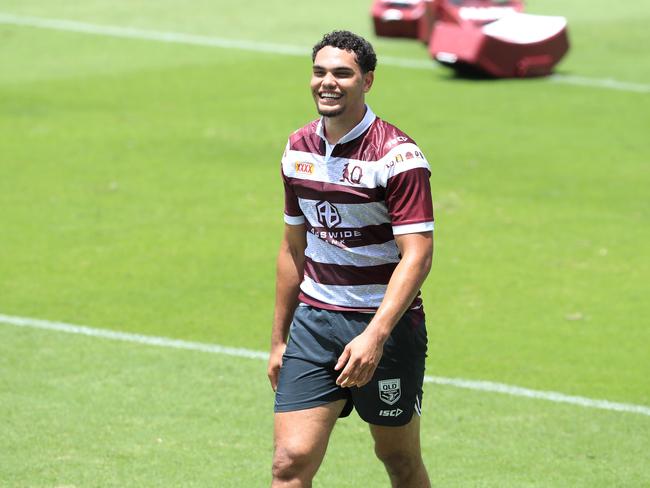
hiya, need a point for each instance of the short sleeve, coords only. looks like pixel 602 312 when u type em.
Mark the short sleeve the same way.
pixel 292 212
pixel 408 198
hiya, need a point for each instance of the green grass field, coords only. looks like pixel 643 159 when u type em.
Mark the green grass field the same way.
pixel 140 192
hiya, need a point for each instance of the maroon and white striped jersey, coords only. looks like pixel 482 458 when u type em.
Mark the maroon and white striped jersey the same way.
pixel 353 198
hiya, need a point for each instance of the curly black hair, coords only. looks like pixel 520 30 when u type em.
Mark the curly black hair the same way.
pixel 349 41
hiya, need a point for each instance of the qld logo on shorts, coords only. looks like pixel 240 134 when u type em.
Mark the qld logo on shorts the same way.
pixel 390 391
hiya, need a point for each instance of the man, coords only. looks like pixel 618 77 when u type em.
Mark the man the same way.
pixel 357 246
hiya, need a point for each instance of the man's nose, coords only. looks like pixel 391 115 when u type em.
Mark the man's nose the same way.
pixel 329 80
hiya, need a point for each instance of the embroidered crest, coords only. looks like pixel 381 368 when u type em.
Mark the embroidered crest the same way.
pixel 390 391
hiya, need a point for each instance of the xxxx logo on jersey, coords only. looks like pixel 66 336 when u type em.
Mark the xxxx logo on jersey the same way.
pixel 304 168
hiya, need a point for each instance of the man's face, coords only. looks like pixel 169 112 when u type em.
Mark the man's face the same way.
pixel 337 83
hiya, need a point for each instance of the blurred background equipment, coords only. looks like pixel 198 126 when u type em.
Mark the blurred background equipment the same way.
pixel 490 37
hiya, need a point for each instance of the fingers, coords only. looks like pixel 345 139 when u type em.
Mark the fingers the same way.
pixel 275 363
pixel 365 375
pixel 273 378
pixel 356 374
pixel 272 373
pixel 343 358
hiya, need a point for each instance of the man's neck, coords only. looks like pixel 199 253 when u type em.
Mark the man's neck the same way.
pixel 335 128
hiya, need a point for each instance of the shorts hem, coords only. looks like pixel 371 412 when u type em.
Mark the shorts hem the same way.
pixel 295 407
pixel 400 421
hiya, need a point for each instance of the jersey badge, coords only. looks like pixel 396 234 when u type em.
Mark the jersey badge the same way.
pixel 390 391
pixel 327 214
pixel 352 175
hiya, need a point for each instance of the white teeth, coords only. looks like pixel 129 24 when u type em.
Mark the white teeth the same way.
pixel 330 95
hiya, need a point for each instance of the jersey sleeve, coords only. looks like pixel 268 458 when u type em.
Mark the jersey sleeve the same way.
pixel 292 212
pixel 408 191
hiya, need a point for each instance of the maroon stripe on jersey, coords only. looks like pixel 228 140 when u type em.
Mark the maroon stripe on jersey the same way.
pixel 306 140
pixel 408 197
pixel 373 144
pixel 291 205
pixel 415 312
pixel 333 193
pixel 343 274
pixel 349 237
pixel 306 299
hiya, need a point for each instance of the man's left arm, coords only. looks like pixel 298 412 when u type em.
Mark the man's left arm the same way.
pixel 361 356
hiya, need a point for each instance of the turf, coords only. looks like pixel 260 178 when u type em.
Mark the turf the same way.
pixel 91 413
pixel 139 191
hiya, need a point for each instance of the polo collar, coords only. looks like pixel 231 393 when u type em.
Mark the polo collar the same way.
pixel 359 129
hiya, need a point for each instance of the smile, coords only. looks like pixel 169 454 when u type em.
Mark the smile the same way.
pixel 330 95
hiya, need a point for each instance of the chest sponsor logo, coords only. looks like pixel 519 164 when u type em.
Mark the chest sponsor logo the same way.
pixel 390 390
pixel 352 174
pixel 327 215
pixel 304 168
pixel 337 237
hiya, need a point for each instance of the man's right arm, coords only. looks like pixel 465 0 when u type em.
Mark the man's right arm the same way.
pixel 290 264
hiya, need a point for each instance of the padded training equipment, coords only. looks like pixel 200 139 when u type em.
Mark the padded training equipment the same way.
pixel 493 37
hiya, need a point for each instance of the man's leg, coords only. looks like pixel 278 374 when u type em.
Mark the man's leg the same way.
pixel 399 449
pixel 300 442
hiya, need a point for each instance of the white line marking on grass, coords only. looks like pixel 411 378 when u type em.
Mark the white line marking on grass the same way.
pixel 129 337
pixel 250 354
pixel 600 83
pixel 266 47
pixel 552 396
pixel 150 35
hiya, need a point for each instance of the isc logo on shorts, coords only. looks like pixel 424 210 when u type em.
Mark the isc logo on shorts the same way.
pixel 391 413
pixel 389 390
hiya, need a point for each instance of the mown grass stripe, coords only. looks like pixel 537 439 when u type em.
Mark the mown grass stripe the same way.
pixel 486 386
pixel 267 47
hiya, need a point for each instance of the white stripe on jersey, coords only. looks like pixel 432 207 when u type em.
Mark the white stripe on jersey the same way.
pixel 372 255
pixel 371 174
pixel 353 215
pixel 332 170
pixel 356 296
pixel 396 161
pixel 299 220
pixel 412 228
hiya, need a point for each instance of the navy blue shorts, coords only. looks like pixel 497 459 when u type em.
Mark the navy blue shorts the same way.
pixel 316 340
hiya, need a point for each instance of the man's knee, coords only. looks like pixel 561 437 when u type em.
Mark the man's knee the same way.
pixel 292 463
pixel 399 464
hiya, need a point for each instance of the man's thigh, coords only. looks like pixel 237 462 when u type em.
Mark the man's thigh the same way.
pixel 307 378
pixel 301 436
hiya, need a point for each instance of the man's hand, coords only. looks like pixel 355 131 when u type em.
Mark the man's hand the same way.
pixel 275 363
pixel 359 359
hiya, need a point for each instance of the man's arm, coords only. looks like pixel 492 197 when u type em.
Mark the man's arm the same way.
pixel 361 356
pixel 290 263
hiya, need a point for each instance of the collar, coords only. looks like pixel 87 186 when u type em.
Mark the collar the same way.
pixel 359 129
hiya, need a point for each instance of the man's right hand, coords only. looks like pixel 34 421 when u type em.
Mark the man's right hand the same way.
pixel 275 363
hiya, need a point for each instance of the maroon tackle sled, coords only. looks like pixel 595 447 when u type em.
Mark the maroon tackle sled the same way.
pixel 493 37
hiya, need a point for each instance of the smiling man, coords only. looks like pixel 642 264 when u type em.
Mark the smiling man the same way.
pixel 348 328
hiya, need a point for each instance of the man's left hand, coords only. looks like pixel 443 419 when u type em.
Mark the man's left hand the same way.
pixel 360 358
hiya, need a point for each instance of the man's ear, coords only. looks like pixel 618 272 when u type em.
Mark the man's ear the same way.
pixel 368 79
